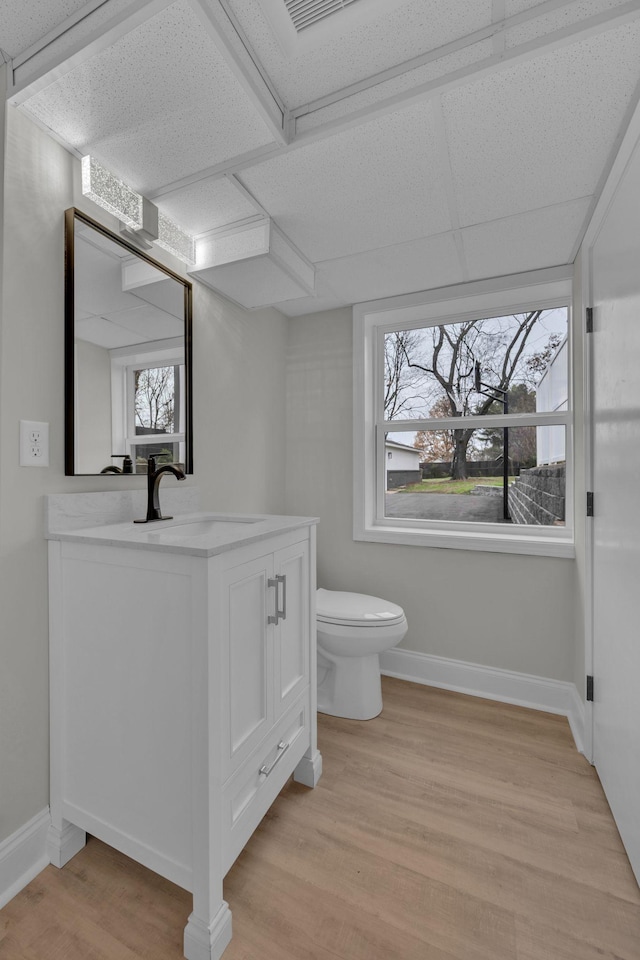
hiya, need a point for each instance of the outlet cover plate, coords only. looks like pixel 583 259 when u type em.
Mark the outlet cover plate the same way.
pixel 34 443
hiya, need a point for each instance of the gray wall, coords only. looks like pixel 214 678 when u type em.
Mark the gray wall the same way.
pixel 500 610
pixel 483 608
pixel 93 390
pixel 239 419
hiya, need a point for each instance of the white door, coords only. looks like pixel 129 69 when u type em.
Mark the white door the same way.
pixel 616 523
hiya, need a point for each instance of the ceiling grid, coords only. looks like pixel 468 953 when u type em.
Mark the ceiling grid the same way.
pixel 397 146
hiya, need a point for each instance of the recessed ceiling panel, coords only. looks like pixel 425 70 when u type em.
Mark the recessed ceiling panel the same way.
pixel 207 205
pixel 530 241
pixel 406 29
pixel 159 104
pixel 540 132
pixel 394 270
pixel 378 184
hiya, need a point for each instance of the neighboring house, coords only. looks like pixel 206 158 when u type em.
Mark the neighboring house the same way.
pixel 402 464
pixel 552 395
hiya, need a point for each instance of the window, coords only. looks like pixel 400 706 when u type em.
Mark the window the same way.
pixel 148 387
pixel 469 389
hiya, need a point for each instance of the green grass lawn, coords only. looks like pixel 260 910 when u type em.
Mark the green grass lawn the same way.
pixel 447 485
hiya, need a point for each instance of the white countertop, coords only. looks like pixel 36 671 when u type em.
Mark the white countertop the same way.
pixel 186 534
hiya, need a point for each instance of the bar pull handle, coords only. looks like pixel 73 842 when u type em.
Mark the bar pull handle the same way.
pixel 283 580
pixel 280 614
pixel 266 768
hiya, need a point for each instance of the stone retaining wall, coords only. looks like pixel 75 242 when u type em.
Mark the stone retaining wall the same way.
pixel 537 496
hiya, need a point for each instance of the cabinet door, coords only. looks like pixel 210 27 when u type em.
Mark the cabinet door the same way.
pixel 246 657
pixel 291 637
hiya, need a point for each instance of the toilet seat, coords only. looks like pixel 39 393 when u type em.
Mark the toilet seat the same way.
pixel 356 609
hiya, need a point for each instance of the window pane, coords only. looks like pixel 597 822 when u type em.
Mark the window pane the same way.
pixel 156 400
pixel 459 475
pixel 164 452
pixel 510 364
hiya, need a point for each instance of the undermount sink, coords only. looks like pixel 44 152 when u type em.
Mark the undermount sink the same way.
pixel 202 528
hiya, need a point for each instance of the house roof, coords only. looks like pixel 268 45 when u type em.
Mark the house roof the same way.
pixel 401 446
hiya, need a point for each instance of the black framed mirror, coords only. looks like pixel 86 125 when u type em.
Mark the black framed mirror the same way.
pixel 128 355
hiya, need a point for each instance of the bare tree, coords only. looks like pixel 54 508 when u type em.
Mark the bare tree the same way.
pixel 445 357
pixel 403 386
pixel 154 398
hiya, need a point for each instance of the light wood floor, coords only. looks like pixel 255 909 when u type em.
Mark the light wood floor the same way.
pixel 449 828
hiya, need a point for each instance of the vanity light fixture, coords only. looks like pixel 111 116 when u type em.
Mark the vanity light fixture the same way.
pixel 175 240
pixel 140 219
pixel 110 193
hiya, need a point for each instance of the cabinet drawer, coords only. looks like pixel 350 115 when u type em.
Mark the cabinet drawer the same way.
pixel 249 793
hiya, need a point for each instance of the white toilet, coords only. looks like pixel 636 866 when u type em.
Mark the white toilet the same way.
pixel 353 629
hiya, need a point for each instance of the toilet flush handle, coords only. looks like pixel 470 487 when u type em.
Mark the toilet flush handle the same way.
pixel 279 614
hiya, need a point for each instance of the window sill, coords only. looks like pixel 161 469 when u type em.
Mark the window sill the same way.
pixel 530 545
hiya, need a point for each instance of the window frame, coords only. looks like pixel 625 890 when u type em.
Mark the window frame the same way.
pixel 542 289
pixel 124 361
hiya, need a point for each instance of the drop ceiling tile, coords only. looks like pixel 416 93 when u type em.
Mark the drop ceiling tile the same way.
pixel 147 322
pixel 408 29
pixel 306 305
pixel 540 132
pixel 207 205
pixel 530 241
pixel 57 49
pixel 518 6
pixel 398 269
pixel 557 19
pixel 377 184
pixel 253 283
pixel 397 85
pixel 105 334
pixel 161 99
pixel 23 25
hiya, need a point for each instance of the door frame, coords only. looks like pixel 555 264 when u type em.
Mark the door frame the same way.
pixel 583 298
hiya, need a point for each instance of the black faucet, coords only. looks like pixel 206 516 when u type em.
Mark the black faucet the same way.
pixel 127 464
pixel 154 476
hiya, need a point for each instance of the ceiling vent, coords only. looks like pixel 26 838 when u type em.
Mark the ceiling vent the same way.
pixel 304 13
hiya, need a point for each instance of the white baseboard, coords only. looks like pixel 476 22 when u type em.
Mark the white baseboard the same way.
pixel 522 689
pixel 23 855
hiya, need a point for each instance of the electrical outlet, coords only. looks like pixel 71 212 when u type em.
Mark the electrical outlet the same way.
pixel 34 444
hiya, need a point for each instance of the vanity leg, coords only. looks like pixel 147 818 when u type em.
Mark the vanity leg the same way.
pixel 309 769
pixel 64 842
pixel 207 941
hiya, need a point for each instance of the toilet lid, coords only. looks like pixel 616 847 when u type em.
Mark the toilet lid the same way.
pixel 336 606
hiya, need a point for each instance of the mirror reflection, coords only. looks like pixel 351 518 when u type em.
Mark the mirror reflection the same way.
pixel 128 331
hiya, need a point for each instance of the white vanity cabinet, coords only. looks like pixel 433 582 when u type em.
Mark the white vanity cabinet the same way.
pixel 182 696
pixel 265 610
